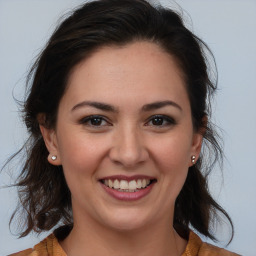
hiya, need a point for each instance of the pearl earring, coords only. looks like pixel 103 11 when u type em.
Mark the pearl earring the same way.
pixel 193 159
pixel 54 158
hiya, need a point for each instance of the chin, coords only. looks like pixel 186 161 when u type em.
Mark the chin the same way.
pixel 128 221
pixel 126 226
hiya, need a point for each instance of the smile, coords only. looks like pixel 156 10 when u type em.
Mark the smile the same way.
pixel 128 188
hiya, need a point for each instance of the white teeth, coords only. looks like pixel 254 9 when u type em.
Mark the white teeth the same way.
pixel 139 184
pixel 125 186
pixel 132 185
pixel 116 184
pixel 110 183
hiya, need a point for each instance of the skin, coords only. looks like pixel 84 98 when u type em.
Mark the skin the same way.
pixel 126 142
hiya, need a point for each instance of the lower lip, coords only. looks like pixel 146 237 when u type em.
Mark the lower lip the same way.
pixel 128 196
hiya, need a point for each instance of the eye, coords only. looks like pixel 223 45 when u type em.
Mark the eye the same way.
pixel 161 121
pixel 94 121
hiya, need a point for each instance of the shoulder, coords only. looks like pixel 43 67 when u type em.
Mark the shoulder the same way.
pixel 49 246
pixel 22 253
pixel 208 249
pixel 196 247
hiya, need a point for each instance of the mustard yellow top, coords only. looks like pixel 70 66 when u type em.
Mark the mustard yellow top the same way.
pixel 195 247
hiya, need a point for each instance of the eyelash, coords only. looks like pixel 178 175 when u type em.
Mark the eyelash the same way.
pixel 87 119
pixel 169 121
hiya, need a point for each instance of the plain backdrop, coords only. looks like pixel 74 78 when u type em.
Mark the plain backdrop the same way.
pixel 227 26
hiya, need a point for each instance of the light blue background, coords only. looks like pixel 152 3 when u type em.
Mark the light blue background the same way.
pixel 227 26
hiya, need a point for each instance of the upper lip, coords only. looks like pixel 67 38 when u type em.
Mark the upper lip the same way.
pixel 128 178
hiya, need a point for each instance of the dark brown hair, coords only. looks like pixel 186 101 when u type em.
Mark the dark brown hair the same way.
pixel 44 195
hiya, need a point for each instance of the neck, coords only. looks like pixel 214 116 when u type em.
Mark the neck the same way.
pixel 89 238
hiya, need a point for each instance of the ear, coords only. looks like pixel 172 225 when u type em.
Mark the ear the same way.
pixel 50 140
pixel 198 140
pixel 196 147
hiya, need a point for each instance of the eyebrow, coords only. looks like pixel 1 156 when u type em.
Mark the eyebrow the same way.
pixel 160 104
pixel 98 105
pixel 110 108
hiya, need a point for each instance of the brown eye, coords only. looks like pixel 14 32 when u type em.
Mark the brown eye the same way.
pixel 161 121
pixel 94 121
pixel 157 121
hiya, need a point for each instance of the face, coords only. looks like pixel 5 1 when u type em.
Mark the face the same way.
pixel 124 136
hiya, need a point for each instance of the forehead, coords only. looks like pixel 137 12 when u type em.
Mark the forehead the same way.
pixel 150 53
pixel 131 71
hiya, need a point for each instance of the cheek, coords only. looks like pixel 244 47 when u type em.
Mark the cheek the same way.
pixel 80 158
pixel 172 160
pixel 172 154
pixel 80 154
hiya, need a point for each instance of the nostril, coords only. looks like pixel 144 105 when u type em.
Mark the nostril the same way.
pixel 128 154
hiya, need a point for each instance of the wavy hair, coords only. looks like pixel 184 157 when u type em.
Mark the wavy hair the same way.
pixel 45 198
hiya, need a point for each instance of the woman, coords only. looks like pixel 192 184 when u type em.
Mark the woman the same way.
pixel 117 114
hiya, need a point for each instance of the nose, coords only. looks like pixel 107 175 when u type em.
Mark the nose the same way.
pixel 128 148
